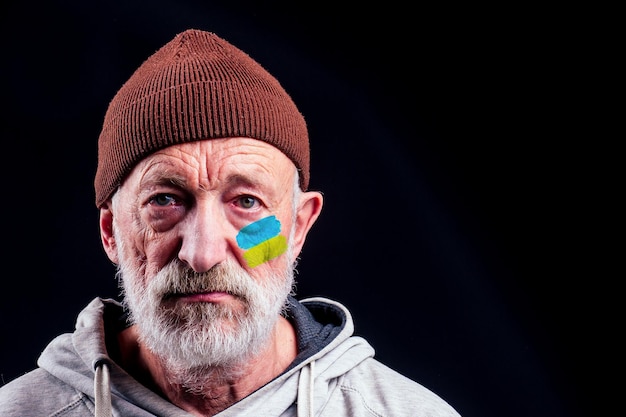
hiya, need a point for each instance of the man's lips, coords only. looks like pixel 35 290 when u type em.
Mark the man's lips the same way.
pixel 206 297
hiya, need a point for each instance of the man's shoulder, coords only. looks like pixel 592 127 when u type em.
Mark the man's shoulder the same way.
pixel 379 376
pixel 378 385
pixel 37 391
pixel 27 382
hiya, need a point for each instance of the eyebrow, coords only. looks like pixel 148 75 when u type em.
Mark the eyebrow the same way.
pixel 161 174
pixel 239 179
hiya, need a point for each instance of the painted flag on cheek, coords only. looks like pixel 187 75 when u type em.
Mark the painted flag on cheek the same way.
pixel 261 241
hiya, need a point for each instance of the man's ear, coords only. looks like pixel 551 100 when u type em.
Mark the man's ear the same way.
pixel 309 209
pixel 106 232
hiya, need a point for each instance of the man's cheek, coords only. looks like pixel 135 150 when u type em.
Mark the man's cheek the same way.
pixel 261 241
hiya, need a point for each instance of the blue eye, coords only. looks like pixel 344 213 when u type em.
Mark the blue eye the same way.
pixel 247 201
pixel 163 200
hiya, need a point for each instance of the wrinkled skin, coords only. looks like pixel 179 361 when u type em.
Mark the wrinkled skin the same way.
pixel 207 328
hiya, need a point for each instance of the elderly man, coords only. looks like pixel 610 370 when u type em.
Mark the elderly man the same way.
pixel 203 170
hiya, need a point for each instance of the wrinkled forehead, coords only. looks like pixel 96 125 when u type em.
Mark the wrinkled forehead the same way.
pixel 232 159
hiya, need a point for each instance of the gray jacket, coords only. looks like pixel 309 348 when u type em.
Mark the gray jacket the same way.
pixel 334 375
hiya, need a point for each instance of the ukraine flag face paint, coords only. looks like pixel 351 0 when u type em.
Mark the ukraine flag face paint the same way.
pixel 261 241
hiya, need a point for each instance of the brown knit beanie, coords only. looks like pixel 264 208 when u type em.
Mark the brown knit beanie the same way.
pixel 196 87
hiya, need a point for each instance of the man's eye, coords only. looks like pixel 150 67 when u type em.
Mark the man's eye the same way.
pixel 247 201
pixel 163 200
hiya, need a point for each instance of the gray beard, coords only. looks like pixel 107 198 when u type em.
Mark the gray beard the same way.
pixel 199 341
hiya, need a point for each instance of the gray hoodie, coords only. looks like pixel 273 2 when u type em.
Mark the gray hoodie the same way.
pixel 335 374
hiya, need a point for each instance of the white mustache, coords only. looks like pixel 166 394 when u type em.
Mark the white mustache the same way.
pixel 176 279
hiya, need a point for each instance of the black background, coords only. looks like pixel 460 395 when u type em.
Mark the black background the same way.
pixel 443 139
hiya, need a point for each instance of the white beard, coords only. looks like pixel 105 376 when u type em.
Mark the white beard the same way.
pixel 194 339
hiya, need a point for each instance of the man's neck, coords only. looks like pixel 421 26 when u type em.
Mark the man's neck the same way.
pixel 215 388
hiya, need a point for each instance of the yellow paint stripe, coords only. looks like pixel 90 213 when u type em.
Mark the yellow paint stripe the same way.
pixel 265 251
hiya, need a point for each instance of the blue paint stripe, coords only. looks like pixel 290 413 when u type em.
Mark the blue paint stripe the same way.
pixel 258 232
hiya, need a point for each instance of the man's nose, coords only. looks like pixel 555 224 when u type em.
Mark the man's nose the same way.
pixel 203 238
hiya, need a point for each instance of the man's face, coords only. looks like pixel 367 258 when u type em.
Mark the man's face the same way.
pixel 203 234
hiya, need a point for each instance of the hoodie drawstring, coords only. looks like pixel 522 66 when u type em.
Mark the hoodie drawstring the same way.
pixel 102 391
pixel 305 390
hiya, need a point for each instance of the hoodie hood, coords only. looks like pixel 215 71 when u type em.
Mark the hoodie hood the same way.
pixel 327 350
